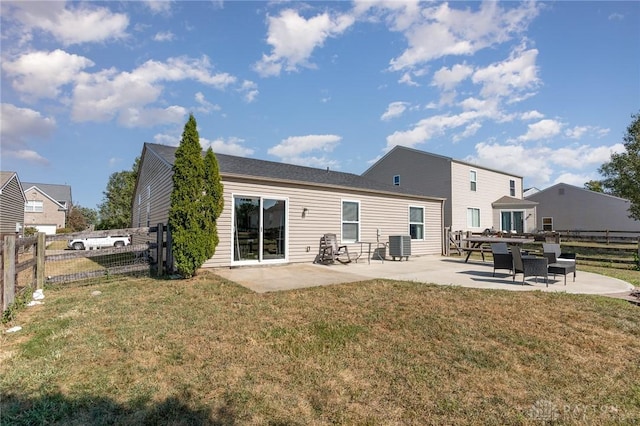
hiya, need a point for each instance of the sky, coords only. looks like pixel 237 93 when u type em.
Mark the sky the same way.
pixel 543 90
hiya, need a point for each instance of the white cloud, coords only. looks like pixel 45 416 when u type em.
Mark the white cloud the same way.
pixel 438 30
pixel 295 145
pixel 18 125
pixel 448 78
pixel 293 39
pixel 395 109
pixel 539 164
pixel 543 129
pixel 204 105
pixel 250 90
pixel 29 156
pixel 616 17
pixel 70 25
pixel 407 79
pixel 105 94
pixel 515 76
pixel 149 117
pixel 232 146
pixel 531 115
pixel 437 125
pixel 574 179
pixel 164 36
pixel 42 74
pixel 159 6
pixel 469 131
pixel 578 132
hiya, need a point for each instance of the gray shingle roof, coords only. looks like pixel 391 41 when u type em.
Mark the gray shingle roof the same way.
pixel 55 192
pixel 271 170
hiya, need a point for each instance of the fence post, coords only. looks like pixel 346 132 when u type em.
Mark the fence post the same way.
pixel 40 251
pixel 160 251
pixel 9 260
pixel 169 250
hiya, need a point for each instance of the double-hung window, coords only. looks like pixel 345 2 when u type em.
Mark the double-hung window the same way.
pixel 34 206
pixel 350 221
pixel 396 180
pixel 416 223
pixel 473 218
pixel 512 188
pixel 473 179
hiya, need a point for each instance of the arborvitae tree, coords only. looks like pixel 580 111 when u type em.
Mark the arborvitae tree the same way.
pixel 213 201
pixel 185 215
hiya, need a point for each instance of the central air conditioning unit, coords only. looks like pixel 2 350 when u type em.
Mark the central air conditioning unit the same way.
pixel 400 246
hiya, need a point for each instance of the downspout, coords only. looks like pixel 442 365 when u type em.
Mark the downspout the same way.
pixel 444 236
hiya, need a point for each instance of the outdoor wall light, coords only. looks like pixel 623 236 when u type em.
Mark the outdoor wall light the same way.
pixel 305 211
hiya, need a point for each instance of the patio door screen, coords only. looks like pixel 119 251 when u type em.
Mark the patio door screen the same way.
pixel 259 232
pixel 512 221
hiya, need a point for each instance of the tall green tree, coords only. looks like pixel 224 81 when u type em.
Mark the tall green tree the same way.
pixel 622 172
pixel 81 218
pixel 115 210
pixel 213 201
pixel 186 218
pixel 594 185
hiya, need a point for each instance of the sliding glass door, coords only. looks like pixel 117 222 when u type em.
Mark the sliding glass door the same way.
pixel 259 233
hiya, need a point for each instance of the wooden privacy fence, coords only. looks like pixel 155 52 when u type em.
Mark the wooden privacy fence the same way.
pixel 30 263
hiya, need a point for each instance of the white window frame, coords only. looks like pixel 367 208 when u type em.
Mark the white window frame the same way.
pixel 549 219
pixel 34 206
pixel 349 222
pixel 396 180
pixel 473 180
pixel 470 217
pixel 421 224
pixel 512 187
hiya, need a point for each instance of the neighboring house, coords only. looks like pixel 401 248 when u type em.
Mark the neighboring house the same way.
pixel 478 198
pixel 46 206
pixel 12 202
pixel 563 207
pixel 277 213
pixel 530 191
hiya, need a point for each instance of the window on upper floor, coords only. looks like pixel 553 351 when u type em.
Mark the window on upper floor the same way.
pixel 473 179
pixel 34 206
pixel 512 188
pixel 416 223
pixel 396 180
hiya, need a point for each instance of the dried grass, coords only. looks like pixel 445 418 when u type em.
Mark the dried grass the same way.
pixel 205 351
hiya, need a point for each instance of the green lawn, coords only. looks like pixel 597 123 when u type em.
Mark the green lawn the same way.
pixel 206 351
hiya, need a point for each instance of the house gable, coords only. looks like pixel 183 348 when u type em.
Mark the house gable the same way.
pixel 12 201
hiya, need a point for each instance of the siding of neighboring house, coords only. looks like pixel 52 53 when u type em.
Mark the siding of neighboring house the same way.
pixel 490 186
pixel 440 176
pixel 427 174
pixel 56 200
pixel 379 210
pixel 574 208
pixel 11 204
pixel 53 215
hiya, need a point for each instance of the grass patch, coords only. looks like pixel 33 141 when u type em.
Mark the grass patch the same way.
pixel 206 351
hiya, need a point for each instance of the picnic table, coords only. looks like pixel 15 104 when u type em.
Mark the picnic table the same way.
pixel 477 242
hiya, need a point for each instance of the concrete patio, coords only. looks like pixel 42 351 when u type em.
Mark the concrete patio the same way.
pixel 425 269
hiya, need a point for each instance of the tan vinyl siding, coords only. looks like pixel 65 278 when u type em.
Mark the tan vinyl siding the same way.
pixel 491 186
pixel 390 214
pixel 11 207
